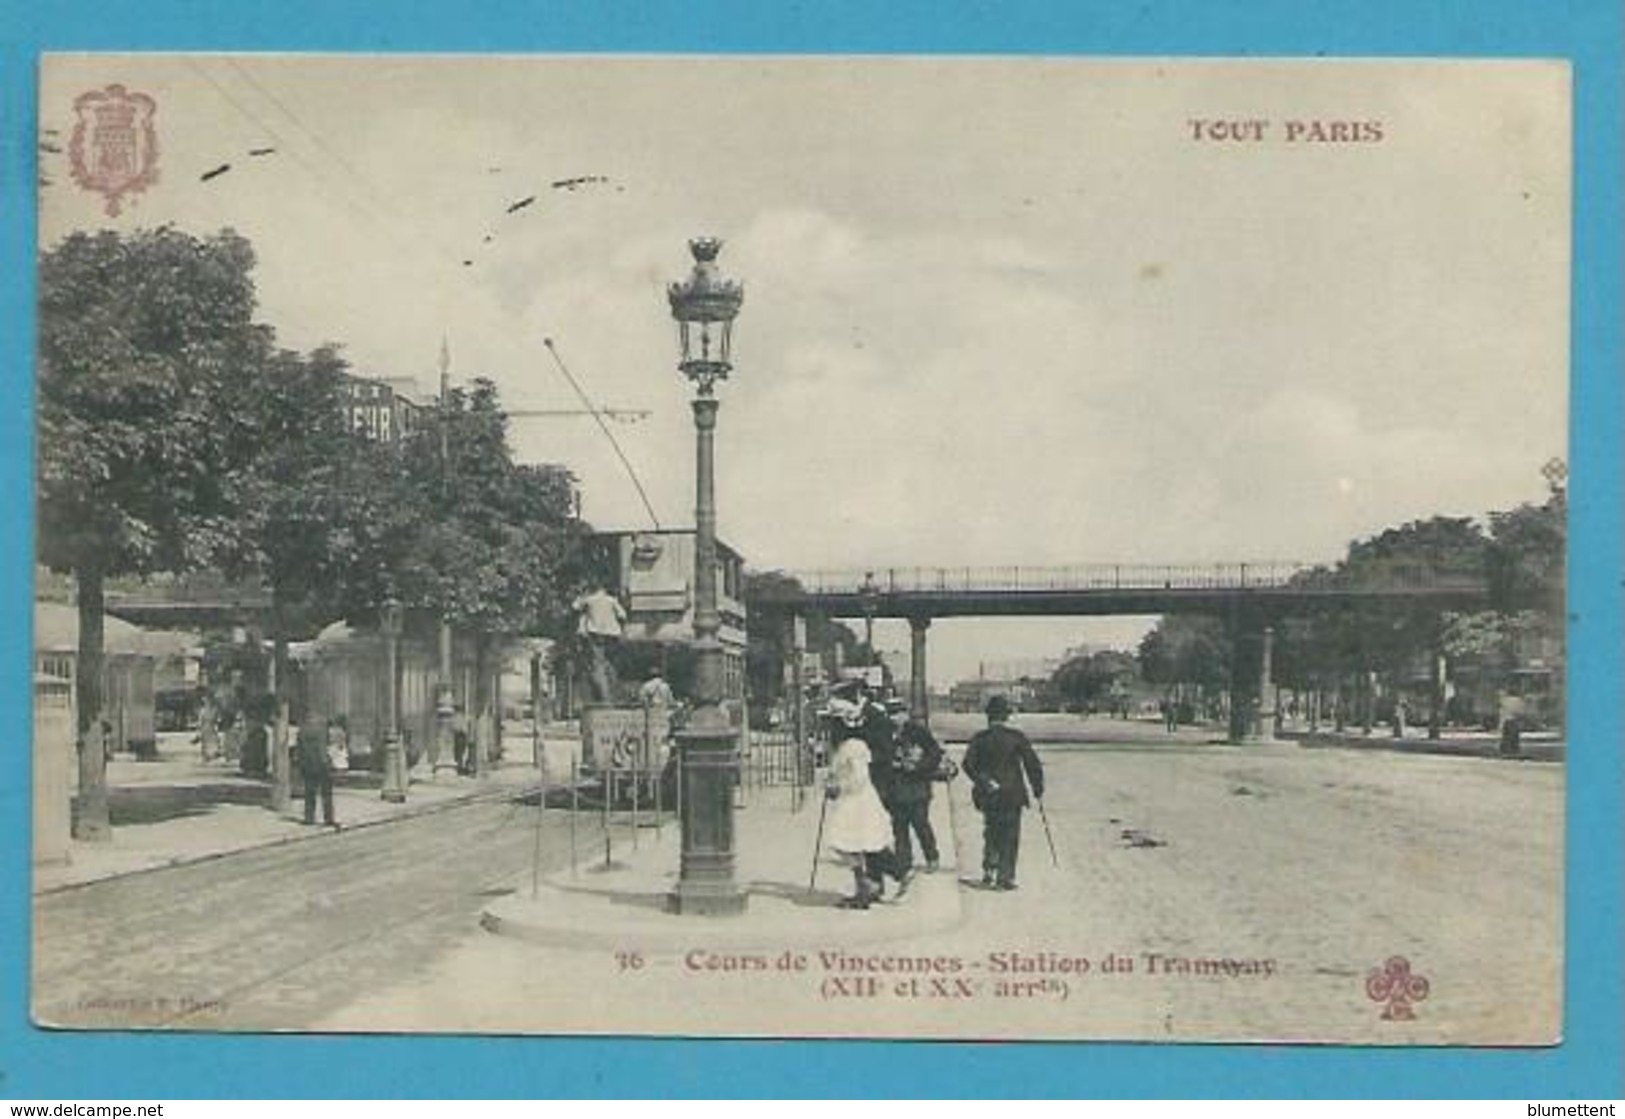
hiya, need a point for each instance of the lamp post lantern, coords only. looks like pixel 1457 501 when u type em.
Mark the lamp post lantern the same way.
pixel 705 306
pixel 869 592
pixel 389 622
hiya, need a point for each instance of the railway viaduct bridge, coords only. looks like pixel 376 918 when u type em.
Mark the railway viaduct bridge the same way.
pixel 1250 597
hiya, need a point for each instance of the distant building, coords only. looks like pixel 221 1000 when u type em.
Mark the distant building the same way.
pixel 972 695
pixel 136 664
pixel 382 408
pixel 1022 668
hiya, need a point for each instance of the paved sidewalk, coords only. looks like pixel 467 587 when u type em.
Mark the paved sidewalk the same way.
pixel 623 904
pixel 1535 747
pixel 180 809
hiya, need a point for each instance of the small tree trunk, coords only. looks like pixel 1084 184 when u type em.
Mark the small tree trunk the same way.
pixel 481 704
pixel 207 733
pixel 496 707
pixel 1368 693
pixel 91 822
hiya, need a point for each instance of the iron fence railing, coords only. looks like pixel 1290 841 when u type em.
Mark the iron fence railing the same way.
pixel 1260 575
pixel 1098 576
pixel 772 758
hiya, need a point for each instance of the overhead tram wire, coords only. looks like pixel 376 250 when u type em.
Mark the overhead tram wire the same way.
pixel 619 415
pixel 316 172
pixel 372 193
pixel 357 196
pixel 293 118
pixel 598 414
pixel 598 417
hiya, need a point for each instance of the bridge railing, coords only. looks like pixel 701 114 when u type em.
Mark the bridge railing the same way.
pixel 1077 577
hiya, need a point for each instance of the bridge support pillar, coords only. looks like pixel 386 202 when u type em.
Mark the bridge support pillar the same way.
pixel 1240 719
pixel 1437 696
pixel 1252 704
pixel 1264 723
pixel 919 689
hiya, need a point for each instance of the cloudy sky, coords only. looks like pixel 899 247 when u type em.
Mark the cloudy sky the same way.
pixel 997 311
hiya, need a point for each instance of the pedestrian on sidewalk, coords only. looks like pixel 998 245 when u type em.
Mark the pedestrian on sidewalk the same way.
pixel 462 748
pixel 876 729
pixel 1001 764
pixel 601 622
pixel 916 761
pixel 859 830
pixel 316 769
pixel 256 756
pixel 655 692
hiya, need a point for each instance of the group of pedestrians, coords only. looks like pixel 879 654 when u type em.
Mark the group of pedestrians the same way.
pixel 880 789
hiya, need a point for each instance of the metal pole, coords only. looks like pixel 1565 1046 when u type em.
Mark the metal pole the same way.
pixel 605 790
pixel 536 845
pixel 709 742
pixel 659 780
pixel 798 718
pixel 440 755
pixel 575 807
pixel 394 789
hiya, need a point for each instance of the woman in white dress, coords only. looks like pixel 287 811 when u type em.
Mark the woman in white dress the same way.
pixel 859 829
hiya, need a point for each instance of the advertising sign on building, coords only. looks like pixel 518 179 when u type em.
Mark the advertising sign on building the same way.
pixel 625 739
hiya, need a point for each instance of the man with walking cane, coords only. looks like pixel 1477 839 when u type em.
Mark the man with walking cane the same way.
pixel 1001 765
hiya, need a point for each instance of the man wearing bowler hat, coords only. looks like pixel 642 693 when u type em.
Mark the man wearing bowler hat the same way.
pixel 1001 765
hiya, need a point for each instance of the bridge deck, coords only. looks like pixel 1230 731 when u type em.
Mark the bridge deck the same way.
pixel 1107 589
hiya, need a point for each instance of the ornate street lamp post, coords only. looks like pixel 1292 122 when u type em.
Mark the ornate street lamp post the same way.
pixel 389 622
pixel 869 592
pixel 704 306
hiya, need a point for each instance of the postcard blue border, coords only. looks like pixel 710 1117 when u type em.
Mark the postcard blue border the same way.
pixel 39 1064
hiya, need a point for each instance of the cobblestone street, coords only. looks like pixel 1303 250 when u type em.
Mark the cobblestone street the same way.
pixel 1268 881
pixel 277 937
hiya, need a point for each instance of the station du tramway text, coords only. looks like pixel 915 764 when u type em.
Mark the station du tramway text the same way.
pixel 996 963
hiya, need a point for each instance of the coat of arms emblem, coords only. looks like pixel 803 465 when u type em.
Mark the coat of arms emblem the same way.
pixel 114 150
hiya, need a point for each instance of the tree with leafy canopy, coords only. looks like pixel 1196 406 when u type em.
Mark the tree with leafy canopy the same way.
pixel 1520 558
pixel 469 536
pixel 1392 638
pixel 1423 553
pixel 1085 682
pixel 143 339
pixel 295 494
pixel 767 632
pixel 475 537
pixel 292 482
pixel 1185 649
pixel 1528 557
